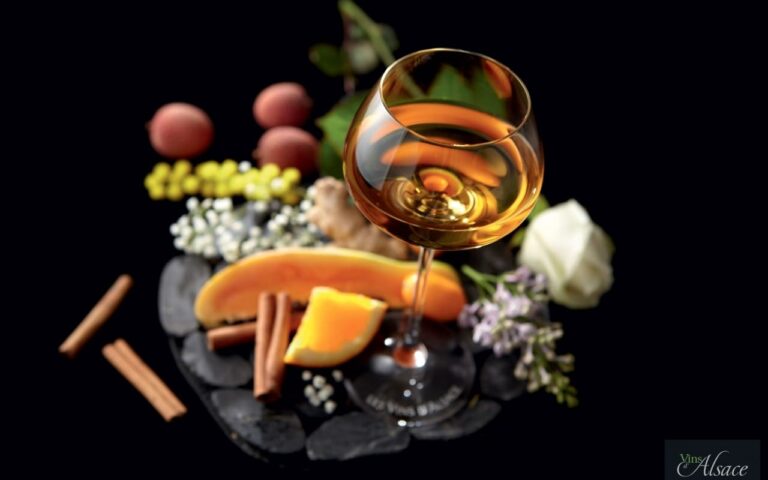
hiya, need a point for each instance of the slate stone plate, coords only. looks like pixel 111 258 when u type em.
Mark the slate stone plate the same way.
pixel 293 433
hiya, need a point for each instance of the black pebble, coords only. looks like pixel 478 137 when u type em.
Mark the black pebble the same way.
pixel 494 259
pixel 310 411
pixel 213 368
pixel 468 421
pixel 465 337
pixel 180 281
pixel 354 435
pixel 276 430
pixel 497 378
pixel 438 337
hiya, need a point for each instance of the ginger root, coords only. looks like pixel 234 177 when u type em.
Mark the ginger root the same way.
pixel 343 223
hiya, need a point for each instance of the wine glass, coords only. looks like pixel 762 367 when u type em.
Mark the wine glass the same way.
pixel 444 155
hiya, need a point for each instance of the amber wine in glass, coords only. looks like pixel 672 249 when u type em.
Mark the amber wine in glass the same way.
pixel 444 155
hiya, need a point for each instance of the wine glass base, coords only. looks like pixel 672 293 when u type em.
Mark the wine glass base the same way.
pixel 415 396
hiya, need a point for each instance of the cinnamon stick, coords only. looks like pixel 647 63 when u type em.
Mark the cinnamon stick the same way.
pixel 278 344
pixel 124 363
pixel 263 335
pixel 242 333
pixel 231 335
pixel 96 317
pixel 154 381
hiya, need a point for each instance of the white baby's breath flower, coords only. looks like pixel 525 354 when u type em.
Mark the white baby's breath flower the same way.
pixel 212 217
pixel 318 381
pixel 281 219
pixel 265 242
pixel 249 246
pixel 309 391
pixel 226 218
pixel 199 225
pixel 222 204
pixel 325 392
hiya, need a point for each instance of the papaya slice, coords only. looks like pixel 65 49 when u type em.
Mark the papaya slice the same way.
pixel 445 297
pixel 232 293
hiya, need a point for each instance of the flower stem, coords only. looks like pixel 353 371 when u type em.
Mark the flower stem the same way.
pixel 484 281
pixel 349 9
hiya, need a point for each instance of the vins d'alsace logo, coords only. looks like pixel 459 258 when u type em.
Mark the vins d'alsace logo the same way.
pixel 691 465
pixel 697 459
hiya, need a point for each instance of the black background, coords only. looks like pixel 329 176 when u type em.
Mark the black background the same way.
pixel 666 355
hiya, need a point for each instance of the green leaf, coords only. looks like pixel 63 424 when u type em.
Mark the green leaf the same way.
pixel 450 85
pixel 328 58
pixel 329 161
pixel 389 36
pixel 541 205
pixel 517 238
pixel 486 98
pixel 355 32
pixel 335 124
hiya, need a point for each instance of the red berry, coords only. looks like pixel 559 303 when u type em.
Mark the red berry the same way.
pixel 282 104
pixel 288 147
pixel 180 130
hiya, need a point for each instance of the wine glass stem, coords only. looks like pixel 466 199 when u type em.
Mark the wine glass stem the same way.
pixel 410 351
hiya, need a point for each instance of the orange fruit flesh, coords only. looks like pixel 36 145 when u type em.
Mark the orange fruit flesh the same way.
pixel 336 327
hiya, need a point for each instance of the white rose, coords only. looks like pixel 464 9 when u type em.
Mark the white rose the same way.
pixel 574 254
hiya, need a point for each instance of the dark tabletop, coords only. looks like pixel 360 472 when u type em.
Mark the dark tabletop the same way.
pixel 649 366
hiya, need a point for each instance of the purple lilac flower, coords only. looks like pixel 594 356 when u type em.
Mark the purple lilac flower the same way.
pixel 525 331
pixel 503 321
pixel 518 306
pixel 539 283
pixel 514 316
pixel 527 280
pixel 483 334
pixel 521 275
pixel 468 316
